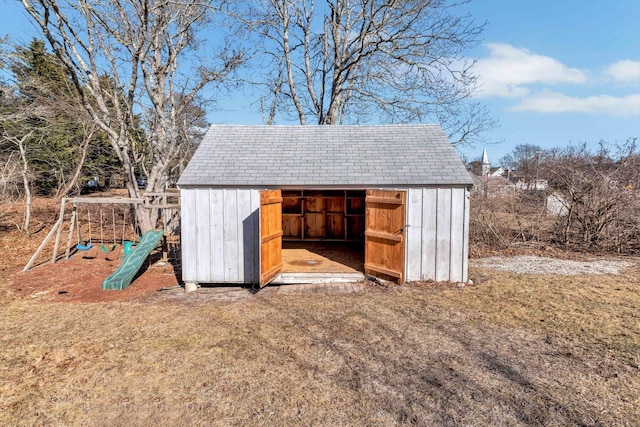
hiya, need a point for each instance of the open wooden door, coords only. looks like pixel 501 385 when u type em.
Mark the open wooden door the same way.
pixel 384 234
pixel 270 235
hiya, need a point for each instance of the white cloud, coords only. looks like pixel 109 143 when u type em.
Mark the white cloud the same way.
pixel 508 71
pixel 624 71
pixel 553 102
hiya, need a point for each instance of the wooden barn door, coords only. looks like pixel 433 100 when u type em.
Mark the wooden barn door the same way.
pixel 270 235
pixel 384 234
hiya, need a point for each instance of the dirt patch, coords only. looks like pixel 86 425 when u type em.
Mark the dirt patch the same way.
pixel 526 264
pixel 80 280
pixel 77 279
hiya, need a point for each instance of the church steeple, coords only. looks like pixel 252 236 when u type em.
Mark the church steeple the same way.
pixel 486 166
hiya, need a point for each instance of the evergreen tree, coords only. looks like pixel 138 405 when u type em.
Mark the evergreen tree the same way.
pixel 67 149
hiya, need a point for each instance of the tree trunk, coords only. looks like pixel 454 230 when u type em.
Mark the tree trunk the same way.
pixel 287 56
pixel 331 118
pixel 25 182
pixel 83 155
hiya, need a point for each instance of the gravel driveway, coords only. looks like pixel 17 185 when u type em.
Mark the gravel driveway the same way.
pixel 537 265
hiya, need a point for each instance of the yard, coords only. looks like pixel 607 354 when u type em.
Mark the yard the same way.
pixel 514 349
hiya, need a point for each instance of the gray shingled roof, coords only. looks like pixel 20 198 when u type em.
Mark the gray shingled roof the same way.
pixel 333 156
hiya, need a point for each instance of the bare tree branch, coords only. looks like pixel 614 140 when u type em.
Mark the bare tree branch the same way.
pixel 351 61
pixel 126 58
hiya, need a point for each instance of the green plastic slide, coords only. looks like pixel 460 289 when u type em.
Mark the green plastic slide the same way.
pixel 123 276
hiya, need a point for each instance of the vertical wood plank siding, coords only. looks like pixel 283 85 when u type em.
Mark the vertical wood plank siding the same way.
pixel 443 234
pixel 457 230
pixel 220 229
pixel 465 252
pixel 429 229
pixel 188 233
pixel 204 205
pixel 437 234
pixel 220 235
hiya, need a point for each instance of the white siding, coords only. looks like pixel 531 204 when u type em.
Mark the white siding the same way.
pixel 220 230
pixel 465 251
pixel 414 251
pixel 220 235
pixel 188 233
pixel 428 205
pixel 205 203
pixel 437 234
pixel 216 236
pixel 443 234
pixel 458 227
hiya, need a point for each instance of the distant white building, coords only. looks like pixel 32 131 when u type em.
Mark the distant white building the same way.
pixel 557 205
pixel 486 165
pixel 491 181
pixel 534 184
pixel 496 172
pixel 487 170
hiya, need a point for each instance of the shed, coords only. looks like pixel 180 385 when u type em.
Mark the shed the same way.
pixel 294 203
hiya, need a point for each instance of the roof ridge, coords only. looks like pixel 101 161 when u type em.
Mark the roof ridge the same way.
pixel 325 126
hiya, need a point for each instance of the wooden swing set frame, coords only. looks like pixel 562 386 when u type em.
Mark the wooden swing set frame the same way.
pixel 56 230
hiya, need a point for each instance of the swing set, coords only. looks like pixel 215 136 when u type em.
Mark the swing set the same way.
pixel 95 207
pixel 95 214
pixel 87 246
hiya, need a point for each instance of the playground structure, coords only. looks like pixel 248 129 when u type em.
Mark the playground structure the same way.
pixel 108 225
pixel 132 262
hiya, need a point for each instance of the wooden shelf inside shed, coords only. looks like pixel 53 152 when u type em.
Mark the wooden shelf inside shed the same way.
pixel 323 215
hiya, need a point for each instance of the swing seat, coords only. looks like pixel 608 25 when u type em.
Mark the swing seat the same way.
pixel 106 250
pixel 128 245
pixel 82 247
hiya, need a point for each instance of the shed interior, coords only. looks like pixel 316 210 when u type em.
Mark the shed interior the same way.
pixel 323 231
pixel 323 215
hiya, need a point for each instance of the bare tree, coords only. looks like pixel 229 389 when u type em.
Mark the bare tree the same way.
pixel 135 62
pixel 20 144
pixel 192 126
pixel 351 61
pixel 524 162
pixel 16 133
pixel 600 193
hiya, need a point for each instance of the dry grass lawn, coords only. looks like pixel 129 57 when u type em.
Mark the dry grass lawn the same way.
pixel 515 350
pixel 512 350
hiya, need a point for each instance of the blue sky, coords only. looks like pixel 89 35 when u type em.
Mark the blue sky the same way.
pixel 559 72
pixel 553 72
